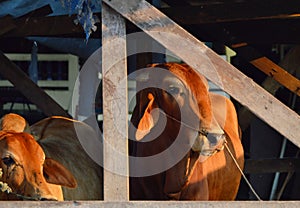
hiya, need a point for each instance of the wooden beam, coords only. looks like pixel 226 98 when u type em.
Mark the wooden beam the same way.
pixel 205 61
pixel 272 165
pixel 176 3
pixel 7 23
pixel 204 13
pixel 150 204
pixel 45 26
pixel 115 107
pixel 291 64
pixel 268 67
pixel 258 31
pixel 277 73
pixel 29 89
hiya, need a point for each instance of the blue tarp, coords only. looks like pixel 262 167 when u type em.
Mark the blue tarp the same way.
pixel 17 8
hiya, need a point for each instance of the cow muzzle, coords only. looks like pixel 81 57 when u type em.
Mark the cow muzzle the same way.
pixel 207 144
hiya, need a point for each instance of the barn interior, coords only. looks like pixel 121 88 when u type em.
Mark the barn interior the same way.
pixel 44 47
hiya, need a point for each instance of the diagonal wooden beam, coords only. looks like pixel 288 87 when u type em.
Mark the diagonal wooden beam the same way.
pixel 29 89
pixel 278 73
pixel 291 63
pixel 205 61
pixel 268 67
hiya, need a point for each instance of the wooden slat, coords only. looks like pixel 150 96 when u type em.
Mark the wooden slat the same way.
pixel 207 12
pixel 257 32
pixel 176 3
pixel 29 89
pixel 115 118
pixel 291 63
pixel 46 26
pixel 278 73
pixel 210 64
pixel 272 165
pixel 267 66
pixel 147 204
pixel 7 23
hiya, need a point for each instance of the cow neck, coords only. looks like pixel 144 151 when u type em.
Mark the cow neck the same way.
pixel 188 163
pixel 190 160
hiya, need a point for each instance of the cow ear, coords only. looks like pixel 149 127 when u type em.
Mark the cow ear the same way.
pixel 147 120
pixel 56 173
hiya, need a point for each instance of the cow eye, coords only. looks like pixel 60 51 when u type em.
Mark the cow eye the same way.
pixel 173 90
pixel 8 160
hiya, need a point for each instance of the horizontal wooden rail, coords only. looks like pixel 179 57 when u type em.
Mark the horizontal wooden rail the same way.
pixel 272 165
pixel 146 204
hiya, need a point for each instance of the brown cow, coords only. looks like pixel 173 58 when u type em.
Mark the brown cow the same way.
pixel 26 171
pixel 59 138
pixel 199 123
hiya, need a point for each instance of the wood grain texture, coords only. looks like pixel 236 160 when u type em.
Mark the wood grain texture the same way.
pixel 147 204
pixel 279 74
pixel 290 63
pixel 116 183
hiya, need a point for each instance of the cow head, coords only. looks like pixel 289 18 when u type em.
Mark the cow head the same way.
pixel 182 97
pixel 26 170
pixel 179 108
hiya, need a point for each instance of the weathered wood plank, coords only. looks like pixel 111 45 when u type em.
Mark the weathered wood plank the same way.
pixel 291 63
pixel 209 12
pixel 7 23
pixel 278 73
pixel 46 26
pixel 115 118
pixel 146 204
pixel 29 89
pixel 210 64
pixel 272 165
pixel 268 66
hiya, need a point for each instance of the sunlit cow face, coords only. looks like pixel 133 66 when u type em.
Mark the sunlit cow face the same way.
pixel 27 172
pixel 182 96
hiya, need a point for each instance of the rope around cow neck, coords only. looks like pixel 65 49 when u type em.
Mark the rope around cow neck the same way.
pixel 239 168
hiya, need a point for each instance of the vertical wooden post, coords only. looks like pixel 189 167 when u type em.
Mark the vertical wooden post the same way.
pixel 115 106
